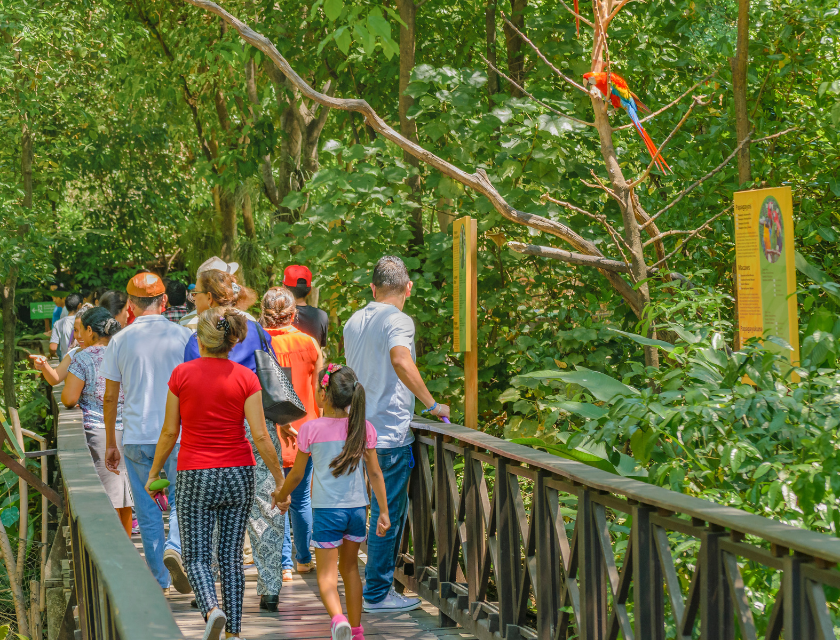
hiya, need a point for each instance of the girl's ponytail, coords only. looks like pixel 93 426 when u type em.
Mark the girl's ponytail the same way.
pixel 344 389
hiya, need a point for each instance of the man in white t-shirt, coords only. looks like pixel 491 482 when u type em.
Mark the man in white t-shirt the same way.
pixel 62 331
pixel 140 359
pixel 379 345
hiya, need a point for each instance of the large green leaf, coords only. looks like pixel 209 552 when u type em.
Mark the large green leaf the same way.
pixel 583 409
pixel 817 275
pixel 600 385
pixel 332 8
pixel 648 342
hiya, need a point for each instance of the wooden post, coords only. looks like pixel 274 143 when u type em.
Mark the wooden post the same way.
pixel 465 307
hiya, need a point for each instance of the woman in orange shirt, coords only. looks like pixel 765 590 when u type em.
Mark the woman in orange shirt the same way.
pixel 299 352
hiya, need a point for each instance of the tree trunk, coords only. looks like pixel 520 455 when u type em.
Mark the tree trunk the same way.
pixel 408 127
pixel 227 223
pixel 9 395
pixel 490 35
pixel 515 46
pixel 248 216
pixel 23 493
pixel 739 90
pixel 313 124
pixel 269 185
pixel 9 286
pixel 290 149
pixel 632 236
pixel 16 587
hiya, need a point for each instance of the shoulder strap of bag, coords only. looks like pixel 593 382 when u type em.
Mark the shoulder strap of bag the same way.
pixel 264 345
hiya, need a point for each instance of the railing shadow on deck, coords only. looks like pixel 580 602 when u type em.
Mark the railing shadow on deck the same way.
pixel 117 596
pixel 592 557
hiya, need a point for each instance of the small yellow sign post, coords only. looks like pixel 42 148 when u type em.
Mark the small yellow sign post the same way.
pixel 765 280
pixel 465 303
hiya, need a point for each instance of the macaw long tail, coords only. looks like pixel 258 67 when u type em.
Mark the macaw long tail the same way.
pixel 577 17
pixel 652 150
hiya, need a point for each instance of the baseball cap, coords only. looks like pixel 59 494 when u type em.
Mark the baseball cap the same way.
pixel 145 285
pixel 296 272
pixel 219 265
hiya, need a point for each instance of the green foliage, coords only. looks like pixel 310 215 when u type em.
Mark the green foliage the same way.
pixel 732 427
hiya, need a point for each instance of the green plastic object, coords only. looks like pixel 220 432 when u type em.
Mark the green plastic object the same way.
pixel 159 485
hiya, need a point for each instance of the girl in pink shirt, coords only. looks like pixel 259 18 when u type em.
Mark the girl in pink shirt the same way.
pixel 342 445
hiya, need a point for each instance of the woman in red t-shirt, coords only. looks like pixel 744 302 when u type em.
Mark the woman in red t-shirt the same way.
pixel 209 399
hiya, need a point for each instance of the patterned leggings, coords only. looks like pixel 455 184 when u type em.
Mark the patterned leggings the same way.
pixel 222 498
pixel 266 527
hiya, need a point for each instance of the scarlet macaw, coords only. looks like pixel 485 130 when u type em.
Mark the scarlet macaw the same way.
pixel 622 97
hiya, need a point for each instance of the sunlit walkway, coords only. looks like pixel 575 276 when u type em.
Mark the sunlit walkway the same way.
pixel 302 616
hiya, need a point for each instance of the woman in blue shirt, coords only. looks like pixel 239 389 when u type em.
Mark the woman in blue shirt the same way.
pixel 265 525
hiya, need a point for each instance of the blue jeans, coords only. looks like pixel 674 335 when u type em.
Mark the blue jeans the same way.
pixel 300 514
pixel 382 552
pixel 138 462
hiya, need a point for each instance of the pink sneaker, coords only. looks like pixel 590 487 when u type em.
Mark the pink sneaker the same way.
pixel 341 629
pixel 358 633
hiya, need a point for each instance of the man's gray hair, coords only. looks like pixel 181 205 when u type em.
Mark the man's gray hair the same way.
pixel 390 275
pixel 144 303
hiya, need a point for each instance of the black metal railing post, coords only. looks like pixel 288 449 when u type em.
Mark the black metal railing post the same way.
pixel 798 618
pixel 715 607
pixel 547 589
pixel 507 552
pixel 593 583
pixel 474 522
pixel 446 533
pixel 647 577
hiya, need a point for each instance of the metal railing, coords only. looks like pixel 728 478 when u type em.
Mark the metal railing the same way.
pixel 116 595
pixel 515 543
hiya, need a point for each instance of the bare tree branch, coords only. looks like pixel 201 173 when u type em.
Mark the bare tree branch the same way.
pixel 569 257
pixel 577 15
pixel 691 235
pixel 537 100
pixel 614 13
pixel 669 105
pixel 540 54
pixel 714 171
pixel 617 238
pixel 697 101
pixel 479 181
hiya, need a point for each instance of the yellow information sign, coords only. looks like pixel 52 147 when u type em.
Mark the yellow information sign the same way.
pixel 766 276
pixel 464 232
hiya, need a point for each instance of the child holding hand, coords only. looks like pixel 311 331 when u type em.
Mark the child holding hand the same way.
pixel 342 444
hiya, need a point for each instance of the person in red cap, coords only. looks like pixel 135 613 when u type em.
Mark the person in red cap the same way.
pixel 139 360
pixel 311 320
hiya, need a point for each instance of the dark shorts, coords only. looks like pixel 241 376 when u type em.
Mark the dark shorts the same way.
pixel 331 527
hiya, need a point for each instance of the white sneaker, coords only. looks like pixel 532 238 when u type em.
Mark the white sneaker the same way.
pixel 215 625
pixel 341 630
pixel 393 602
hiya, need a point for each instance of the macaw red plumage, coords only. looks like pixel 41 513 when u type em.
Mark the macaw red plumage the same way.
pixel 622 98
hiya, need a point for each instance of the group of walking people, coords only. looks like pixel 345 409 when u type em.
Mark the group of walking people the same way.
pixel 181 395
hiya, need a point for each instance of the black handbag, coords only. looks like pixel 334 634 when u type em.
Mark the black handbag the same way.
pixel 281 404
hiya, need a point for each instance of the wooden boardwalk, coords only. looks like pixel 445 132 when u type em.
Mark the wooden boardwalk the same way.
pixel 303 617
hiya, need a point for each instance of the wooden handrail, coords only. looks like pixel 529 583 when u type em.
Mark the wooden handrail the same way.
pixel 809 543
pixel 117 595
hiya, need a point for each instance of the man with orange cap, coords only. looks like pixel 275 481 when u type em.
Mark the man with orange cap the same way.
pixel 139 360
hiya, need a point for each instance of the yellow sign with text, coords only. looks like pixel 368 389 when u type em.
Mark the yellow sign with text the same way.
pixel 765 279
